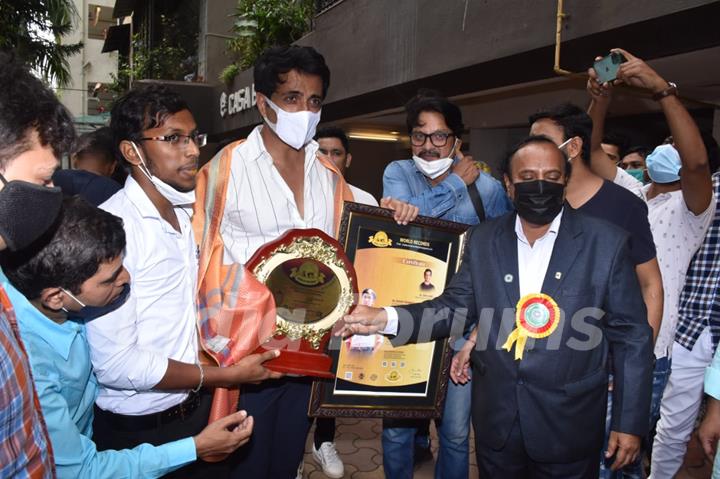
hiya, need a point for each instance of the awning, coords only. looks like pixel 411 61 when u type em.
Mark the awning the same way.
pixel 123 8
pixel 87 123
pixel 102 119
pixel 117 38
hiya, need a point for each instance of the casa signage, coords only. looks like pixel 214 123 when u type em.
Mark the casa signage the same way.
pixel 237 101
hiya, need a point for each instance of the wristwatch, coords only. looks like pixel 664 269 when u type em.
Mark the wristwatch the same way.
pixel 672 89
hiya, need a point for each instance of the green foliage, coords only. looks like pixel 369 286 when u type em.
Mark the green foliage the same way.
pixel 33 29
pixel 260 24
pixel 170 59
pixel 229 73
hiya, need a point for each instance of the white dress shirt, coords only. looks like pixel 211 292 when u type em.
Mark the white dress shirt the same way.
pixel 362 196
pixel 628 181
pixel 533 262
pixel 260 206
pixel 678 234
pixel 130 347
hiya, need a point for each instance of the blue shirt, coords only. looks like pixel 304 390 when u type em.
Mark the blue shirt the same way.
pixel 66 386
pixel 712 376
pixel 448 200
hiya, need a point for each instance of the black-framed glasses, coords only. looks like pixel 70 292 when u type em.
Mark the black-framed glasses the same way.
pixel 176 139
pixel 437 138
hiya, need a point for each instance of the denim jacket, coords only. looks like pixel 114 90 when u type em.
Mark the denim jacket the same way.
pixel 448 200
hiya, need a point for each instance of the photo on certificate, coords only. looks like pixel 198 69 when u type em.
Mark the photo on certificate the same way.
pixel 395 265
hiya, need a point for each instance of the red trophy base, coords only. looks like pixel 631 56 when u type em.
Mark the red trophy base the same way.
pixel 298 357
pixel 314 284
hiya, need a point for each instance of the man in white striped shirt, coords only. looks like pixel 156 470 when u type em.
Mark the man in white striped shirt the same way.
pixel 278 183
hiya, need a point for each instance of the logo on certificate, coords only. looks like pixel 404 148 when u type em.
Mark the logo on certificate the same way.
pixel 380 239
pixel 393 376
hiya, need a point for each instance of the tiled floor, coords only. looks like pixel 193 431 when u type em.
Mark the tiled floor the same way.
pixel 358 442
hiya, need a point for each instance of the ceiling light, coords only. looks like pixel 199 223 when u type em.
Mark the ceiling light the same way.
pixel 356 135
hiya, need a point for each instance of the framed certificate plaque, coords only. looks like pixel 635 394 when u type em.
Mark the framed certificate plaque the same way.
pixel 395 265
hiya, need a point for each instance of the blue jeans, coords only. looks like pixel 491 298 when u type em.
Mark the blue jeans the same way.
pixel 454 431
pixel 634 470
pixel 399 438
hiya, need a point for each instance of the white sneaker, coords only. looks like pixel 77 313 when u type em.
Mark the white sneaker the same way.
pixel 329 460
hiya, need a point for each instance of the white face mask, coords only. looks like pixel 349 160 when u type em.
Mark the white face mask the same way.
pixel 294 128
pixel 175 197
pixel 433 169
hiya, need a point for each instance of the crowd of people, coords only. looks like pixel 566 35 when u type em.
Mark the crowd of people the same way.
pixel 605 251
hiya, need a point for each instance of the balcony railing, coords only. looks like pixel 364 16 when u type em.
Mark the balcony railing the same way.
pixel 324 5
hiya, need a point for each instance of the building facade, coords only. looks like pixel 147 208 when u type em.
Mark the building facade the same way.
pixel 87 96
pixel 499 60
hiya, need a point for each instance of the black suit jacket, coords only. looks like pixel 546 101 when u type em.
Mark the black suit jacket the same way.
pixel 558 391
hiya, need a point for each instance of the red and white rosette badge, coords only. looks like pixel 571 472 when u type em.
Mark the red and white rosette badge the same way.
pixel 536 316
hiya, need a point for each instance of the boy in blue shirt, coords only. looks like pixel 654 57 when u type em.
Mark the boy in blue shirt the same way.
pixel 70 276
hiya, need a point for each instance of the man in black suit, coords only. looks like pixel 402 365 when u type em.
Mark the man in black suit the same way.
pixel 540 376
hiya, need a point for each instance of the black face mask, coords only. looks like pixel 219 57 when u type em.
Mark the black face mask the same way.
pixel 87 313
pixel 539 201
pixel 27 210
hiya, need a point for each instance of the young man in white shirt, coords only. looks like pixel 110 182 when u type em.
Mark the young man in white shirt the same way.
pixel 145 353
pixel 334 143
pixel 680 209
pixel 613 146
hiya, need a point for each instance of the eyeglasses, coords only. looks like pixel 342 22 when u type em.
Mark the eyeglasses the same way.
pixel 176 139
pixel 438 138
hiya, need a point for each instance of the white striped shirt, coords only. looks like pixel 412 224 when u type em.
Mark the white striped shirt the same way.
pixel 260 206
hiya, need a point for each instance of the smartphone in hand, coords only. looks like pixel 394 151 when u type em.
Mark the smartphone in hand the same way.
pixel 607 67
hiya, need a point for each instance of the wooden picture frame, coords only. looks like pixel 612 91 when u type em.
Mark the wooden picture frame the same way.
pixel 373 379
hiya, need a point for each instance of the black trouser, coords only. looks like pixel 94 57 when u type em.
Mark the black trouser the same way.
pixel 513 462
pixel 279 409
pixel 118 431
pixel 324 430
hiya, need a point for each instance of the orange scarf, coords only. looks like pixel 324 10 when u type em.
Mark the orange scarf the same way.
pixel 236 313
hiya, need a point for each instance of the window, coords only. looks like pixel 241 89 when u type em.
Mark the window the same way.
pixel 99 20
pixel 99 99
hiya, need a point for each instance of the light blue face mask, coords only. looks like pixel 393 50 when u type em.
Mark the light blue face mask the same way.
pixel 663 164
